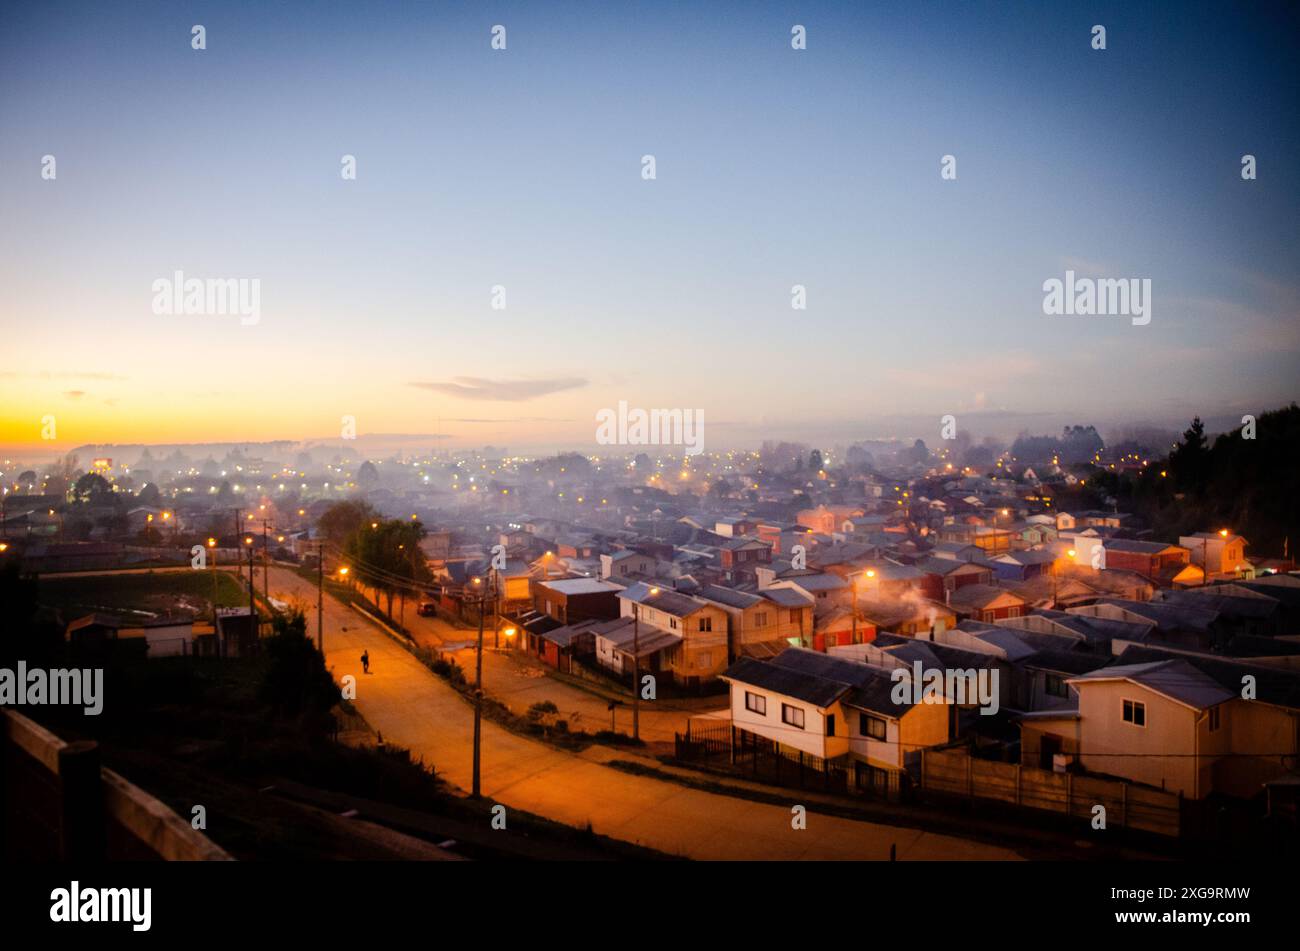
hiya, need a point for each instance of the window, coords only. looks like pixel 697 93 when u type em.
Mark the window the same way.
pixel 672 623
pixel 792 715
pixel 1135 712
pixel 873 727
pixel 1214 718
pixel 704 660
pixel 706 625
pixel 760 619
pixel 1056 686
pixel 755 703
pixel 830 724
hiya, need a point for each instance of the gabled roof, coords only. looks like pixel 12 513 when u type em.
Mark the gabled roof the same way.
pixel 1176 679
pixel 670 602
pixel 728 596
pixel 816 678
pixel 1273 685
pixel 797 684
pixel 786 597
pixel 979 595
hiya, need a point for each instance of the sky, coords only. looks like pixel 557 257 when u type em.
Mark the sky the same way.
pixel 522 168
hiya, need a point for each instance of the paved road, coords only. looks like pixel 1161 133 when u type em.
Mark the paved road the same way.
pixel 413 708
pixel 519 680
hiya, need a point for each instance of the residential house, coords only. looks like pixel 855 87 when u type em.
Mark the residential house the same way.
pixel 1222 554
pixel 569 600
pixel 702 653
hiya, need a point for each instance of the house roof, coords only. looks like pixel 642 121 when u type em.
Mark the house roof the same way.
pixel 728 596
pixel 980 595
pixel 572 586
pixel 670 602
pixel 815 678
pixel 565 636
pixel 622 633
pixel 1276 686
pixel 1133 546
pixel 1173 678
pixel 797 684
pixel 786 597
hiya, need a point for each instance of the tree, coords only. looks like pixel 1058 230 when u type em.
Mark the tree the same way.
pixel 1189 460
pixel 342 520
pixel 387 555
pixel 296 681
pixel 92 488
pixel 149 495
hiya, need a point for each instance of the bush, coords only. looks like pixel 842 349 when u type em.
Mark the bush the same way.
pixel 296 681
pixel 542 709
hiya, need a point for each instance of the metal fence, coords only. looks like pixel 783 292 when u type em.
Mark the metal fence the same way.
pixel 755 757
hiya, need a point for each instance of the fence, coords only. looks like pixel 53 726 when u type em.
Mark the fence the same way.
pixel 57 803
pixel 758 758
pixel 1127 805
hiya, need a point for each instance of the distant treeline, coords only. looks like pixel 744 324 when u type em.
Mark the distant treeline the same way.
pixel 1244 484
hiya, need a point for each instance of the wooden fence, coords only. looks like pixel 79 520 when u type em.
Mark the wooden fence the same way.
pixel 58 803
pixel 1128 806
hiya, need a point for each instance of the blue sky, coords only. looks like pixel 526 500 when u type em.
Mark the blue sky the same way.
pixel 522 168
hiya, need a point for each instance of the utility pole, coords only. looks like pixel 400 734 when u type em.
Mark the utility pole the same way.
pixel 855 608
pixel 636 670
pixel 266 566
pixel 252 588
pixel 477 790
pixel 320 598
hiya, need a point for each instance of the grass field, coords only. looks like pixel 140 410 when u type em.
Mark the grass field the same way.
pixel 142 595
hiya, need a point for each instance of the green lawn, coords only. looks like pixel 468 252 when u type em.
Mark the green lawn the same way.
pixel 147 592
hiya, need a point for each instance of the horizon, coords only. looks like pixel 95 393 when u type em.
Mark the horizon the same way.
pixel 774 169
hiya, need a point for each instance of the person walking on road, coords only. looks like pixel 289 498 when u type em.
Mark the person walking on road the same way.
pixel 365 661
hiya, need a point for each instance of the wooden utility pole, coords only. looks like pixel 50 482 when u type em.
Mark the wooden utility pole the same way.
pixel 266 566
pixel 320 598
pixel 477 790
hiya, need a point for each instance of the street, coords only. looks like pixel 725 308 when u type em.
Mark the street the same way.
pixel 414 708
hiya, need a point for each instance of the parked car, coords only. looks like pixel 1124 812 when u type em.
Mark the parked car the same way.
pixel 427 609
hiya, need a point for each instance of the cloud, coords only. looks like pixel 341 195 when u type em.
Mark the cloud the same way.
pixel 509 391
pixel 61 375
pixel 74 394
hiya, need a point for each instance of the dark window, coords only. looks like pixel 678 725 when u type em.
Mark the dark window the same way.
pixel 873 727
pixel 1056 686
pixel 830 724
pixel 1135 712
pixel 1214 718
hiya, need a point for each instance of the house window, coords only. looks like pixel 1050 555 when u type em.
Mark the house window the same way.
pixel 1214 718
pixel 704 660
pixel 755 703
pixel 1056 686
pixel 760 619
pixel 792 715
pixel 873 727
pixel 706 625
pixel 830 724
pixel 1135 712
pixel 672 623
